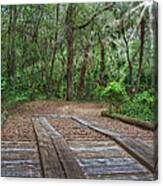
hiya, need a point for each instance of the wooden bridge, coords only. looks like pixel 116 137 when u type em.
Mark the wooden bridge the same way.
pixel 69 146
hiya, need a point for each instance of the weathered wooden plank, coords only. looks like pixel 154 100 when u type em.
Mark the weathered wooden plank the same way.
pixel 141 152
pixel 111 166
pixel 20 169
pixel 51 164
pixel 96 152
pixel 128 176
pixel 132 121
pixel 20 159
pixel 18 155
pixel 96 127
pixel 145 157
pixel 18 150
pixel 90 155
pixel 114 161
pixel 19 162
pixel 112 170
pixel 97 149
pixel 69 162
pixel 66 155
pixel 54 116
pixel 89 144
pixel 18 144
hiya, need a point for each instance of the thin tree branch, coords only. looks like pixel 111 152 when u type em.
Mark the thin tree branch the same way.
pixel 131 11
pixel 138 23
pixel 93 17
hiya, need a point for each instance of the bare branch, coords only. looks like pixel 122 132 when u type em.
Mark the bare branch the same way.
pixel 125 17
pixel 138 23
pixel 93 17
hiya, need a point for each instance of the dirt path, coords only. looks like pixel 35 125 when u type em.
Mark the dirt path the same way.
pixel 19 126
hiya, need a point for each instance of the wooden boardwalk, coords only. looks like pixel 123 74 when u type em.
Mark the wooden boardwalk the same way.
pixel 20 159
pixel 54 155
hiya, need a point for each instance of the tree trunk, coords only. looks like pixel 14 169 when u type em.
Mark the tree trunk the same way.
pixel 142 35
pixel 11 65
pixel 35 33
pixel 83 71
pixel 13 46
pixel 102 63
pixel 127 55
pixel 70 52
pixel 9 45
pixel 55 44
pixel 70 27
pixel 130 67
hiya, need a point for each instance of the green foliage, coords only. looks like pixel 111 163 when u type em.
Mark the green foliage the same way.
pixel 141 106
pixel 38 33
pixel 99 91
pixel 3 84
pixel 114 93
pixel 145 98
pixel 114 89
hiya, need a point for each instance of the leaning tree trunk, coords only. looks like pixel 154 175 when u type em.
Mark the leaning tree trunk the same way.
pixel 70 52
pixel 83 71
pixel 142 36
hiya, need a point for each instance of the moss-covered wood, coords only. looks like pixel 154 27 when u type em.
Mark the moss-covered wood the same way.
pixel 132 121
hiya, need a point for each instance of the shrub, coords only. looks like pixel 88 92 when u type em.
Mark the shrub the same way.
pixel 141 106
pixel 115 94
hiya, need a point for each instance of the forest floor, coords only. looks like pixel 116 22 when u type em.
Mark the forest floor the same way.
pixel 18 125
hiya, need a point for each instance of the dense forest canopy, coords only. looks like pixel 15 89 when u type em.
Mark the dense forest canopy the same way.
pixel 95 52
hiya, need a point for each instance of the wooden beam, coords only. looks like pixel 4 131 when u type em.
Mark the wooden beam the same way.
pixel 51 164
pixel 65 154
pixel 141 151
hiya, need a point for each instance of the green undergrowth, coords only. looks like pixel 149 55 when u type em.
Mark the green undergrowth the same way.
pixel 142 105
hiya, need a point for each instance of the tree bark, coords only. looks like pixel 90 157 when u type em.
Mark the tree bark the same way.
pixel 9 45
pixel 34 38
pixel 102 63
pixel 70 51
pixel 13 46
pixel 11 65
pixel 83 71
pixel 70 28
pixel 142 36
pixel 55 43
pixel 127 55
